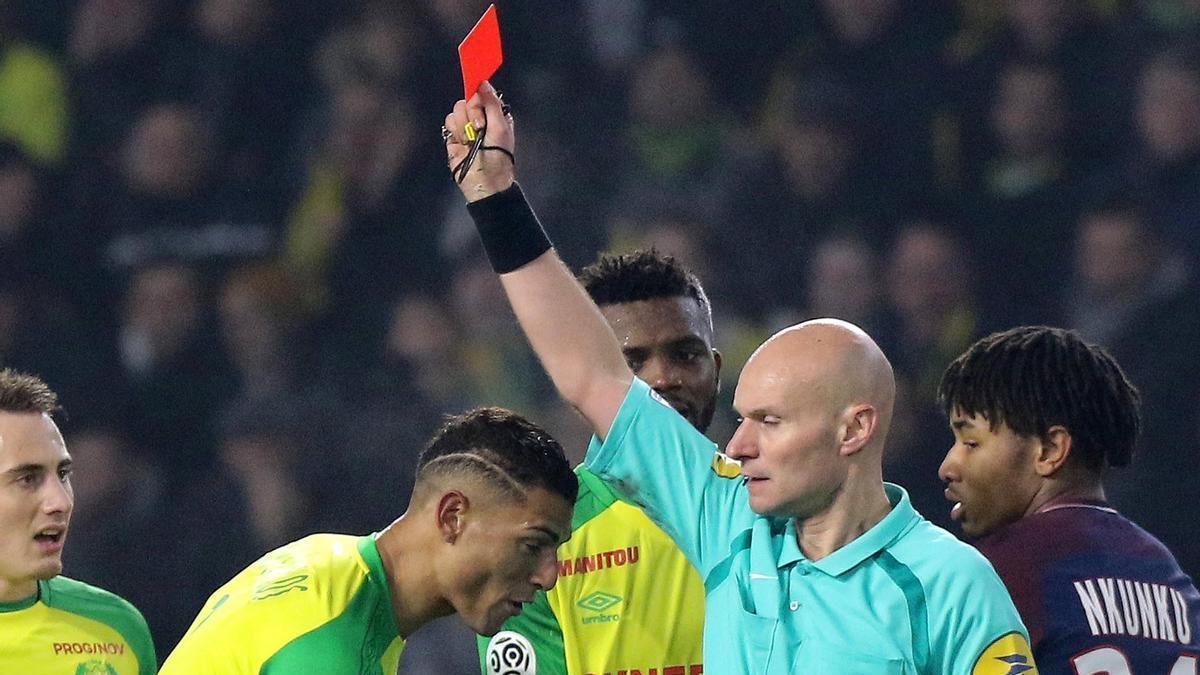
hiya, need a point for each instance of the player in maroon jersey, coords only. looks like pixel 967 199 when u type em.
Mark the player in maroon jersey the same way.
pixel 1038 417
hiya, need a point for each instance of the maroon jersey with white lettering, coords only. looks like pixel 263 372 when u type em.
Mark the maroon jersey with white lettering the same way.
pixel 1099 594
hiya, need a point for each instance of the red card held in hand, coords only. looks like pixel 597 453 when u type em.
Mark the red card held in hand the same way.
pixel 480 53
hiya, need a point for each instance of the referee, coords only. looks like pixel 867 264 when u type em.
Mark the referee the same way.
pixel 811 562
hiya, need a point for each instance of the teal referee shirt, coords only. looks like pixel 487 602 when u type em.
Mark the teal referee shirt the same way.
pixel 904 597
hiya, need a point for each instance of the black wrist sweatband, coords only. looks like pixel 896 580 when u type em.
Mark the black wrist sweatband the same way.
pixel 509 229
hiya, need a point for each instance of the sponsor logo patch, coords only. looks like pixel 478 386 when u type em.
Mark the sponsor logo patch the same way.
pixel 1008 655
pixel 725 466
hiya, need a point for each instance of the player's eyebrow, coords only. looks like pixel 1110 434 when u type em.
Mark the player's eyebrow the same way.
pixel 554 536
pixel 962 424
pixel 25 468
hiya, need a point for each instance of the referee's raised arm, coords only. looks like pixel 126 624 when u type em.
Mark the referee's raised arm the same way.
pixel 564 326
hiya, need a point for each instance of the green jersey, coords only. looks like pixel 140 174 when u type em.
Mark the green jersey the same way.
pixel 71 627
pixel 318 605
pixel 626 601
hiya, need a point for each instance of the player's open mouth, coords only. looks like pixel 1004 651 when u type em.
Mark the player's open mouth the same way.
pixel 516 607
pixel 50 540
pixel 956 512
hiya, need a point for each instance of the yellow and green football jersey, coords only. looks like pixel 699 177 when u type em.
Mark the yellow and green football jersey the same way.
pixel 72 627
pixel 318 605
pixel 626 599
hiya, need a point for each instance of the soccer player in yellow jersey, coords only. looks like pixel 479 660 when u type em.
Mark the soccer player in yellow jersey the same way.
pixel 627 599
pixel 492 501
pixel 49 623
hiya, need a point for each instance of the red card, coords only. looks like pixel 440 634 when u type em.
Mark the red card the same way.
pixel 480 53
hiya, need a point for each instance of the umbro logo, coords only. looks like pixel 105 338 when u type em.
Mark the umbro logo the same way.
pixel 598 601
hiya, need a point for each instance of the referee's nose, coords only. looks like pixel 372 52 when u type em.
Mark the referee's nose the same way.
pixel 742 444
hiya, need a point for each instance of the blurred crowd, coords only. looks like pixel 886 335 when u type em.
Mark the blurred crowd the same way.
pixel 228 237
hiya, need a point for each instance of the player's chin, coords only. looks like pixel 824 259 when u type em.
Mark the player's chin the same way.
pixel 48 569
pixel 973 527
pixel 494 621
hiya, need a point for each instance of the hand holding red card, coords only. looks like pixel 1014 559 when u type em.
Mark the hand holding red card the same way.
pixel 479 53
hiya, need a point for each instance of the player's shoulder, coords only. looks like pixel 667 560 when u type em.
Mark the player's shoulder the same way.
pixel 318 551
pixel 77 597
pixel 1074 534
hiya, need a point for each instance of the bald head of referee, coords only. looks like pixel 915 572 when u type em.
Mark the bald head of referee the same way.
pixel 492 501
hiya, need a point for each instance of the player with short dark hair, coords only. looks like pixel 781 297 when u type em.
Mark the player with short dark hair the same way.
pixel 50 623
pixel 1038 417
pixel 645 611
pixel 491 503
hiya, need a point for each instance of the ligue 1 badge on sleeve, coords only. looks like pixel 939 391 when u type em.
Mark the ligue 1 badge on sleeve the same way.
pixel 510 653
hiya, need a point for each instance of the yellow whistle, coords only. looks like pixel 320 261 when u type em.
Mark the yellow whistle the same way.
pixel 470 132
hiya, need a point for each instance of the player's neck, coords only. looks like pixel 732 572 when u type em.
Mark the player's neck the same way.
pixel 855 509
pixel 1059 492
pixel 13 591
pixel 411 577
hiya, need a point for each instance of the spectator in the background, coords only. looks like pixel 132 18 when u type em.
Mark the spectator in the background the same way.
pixel 362 208
pixel 890 52
pixel 421 354
pixel 815 176
pixel 1136 295
pixel 678 149
pixel 1165 164
pixel 496 357
pixel 33 86
pixel 24 246
pixel 932 295
pixel 1145 24
pixel 264 453
pixel 115 49
pixel 118 528
pixel 172 201
pixel 844 281
pixel 263 325
pixel 40 330
pixel 242 58
pixel 1024 193
pixel 174 374
pixel 1069 35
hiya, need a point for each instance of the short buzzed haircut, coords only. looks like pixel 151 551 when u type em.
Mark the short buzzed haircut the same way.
pixel 641 275
pixel 1035 377
pixel 502 446
pixel 25 393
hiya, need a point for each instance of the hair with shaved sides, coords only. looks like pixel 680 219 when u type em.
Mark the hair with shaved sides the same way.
pixel 25 393
pixel 502 448
pixel 1035 377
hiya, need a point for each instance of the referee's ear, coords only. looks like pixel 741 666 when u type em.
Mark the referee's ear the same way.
pixel 451 514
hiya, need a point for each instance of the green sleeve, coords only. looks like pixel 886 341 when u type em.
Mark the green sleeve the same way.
pixel 107 608
pixel 540 626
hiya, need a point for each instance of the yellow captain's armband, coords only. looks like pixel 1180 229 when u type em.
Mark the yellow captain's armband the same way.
pixel 725 466
pixel 1008 655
